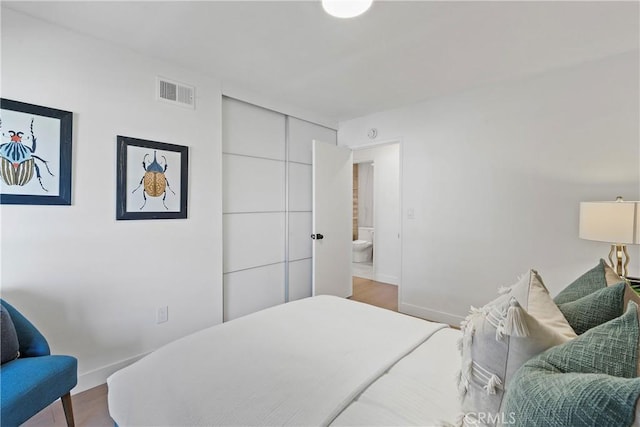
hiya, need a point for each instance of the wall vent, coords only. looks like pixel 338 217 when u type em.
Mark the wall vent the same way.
pixel 175 93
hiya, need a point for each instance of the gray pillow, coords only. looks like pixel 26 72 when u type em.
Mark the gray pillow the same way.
pixel 9 347
pixel 499 338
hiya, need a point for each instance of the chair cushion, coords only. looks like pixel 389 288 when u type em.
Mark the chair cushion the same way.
pixel 30 384
pixel 9 345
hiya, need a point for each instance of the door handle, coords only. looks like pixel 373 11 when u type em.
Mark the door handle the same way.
pixel 317 236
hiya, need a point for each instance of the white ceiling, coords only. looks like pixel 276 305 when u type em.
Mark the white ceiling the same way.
pixel 395 54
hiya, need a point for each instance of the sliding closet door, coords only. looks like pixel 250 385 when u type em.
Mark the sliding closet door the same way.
pixel 266 206
pixel 254 204
pixel 300 137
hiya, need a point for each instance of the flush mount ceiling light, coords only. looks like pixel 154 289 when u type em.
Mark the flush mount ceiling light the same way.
pixel 346 8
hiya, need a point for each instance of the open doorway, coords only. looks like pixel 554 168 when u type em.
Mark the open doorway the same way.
pixel 363 228
pixel 376 213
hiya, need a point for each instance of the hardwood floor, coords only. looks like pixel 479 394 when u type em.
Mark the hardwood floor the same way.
pixel 89 410
pixel 375 293
pixel 90 407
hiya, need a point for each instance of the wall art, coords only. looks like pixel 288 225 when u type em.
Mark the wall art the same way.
pixel 35 154
pixel 152 179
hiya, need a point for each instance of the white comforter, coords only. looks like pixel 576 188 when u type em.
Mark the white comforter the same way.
pixel 419 390
pixel 300 363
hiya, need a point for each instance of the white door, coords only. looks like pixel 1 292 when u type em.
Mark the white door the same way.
pixel 332 219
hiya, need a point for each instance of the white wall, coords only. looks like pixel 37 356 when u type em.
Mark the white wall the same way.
pixel 90 283
pixel 365 194
pixel 495 176
pixel 386 206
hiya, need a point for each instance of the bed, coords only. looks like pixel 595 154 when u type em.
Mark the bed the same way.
pixel 524 359
pixel 318 361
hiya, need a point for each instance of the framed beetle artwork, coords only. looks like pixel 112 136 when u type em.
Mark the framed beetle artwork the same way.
pixel 152 179
pixel 35 154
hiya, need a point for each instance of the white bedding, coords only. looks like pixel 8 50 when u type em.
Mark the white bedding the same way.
pixel 300 363
pixel 420 390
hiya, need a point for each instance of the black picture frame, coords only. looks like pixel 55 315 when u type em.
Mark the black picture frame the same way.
pixel 144 167
pixel 35 154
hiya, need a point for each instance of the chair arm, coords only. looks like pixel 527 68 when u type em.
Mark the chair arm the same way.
pixel 32 342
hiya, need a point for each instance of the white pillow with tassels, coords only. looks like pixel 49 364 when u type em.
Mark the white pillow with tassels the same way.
pixel 499 338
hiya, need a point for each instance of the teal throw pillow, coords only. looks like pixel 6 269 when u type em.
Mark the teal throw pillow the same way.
pixel 594 309
pixel 589 381
pixel 591 281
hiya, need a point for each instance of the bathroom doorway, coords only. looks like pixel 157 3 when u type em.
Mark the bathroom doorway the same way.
pixel 363 229
pixel 376 213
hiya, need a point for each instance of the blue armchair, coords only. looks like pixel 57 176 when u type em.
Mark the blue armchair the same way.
pixel 36 379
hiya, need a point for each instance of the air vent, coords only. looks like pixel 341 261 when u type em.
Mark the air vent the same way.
pixel 175 93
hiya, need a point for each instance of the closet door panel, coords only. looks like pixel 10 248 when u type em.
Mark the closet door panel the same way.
pixel 253 240
pixel 299 279
pixel 299 235
pixel 301 133
pixel 251 130
pixel 252 184
pixel 252 290
pixel 299 187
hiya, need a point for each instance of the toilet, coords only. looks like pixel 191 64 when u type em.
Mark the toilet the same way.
pixel 362 249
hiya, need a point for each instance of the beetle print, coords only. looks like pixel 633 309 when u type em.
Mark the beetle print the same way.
pixel 18 161
pixel 154 180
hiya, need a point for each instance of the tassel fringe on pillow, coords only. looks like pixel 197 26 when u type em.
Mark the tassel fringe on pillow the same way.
pixel 515 324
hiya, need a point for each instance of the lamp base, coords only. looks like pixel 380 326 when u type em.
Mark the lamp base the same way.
pixel 622 259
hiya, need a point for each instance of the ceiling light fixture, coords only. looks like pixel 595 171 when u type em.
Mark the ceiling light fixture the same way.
pixel 346 8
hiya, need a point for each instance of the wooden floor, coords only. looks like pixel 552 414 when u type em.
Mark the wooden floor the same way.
pixel 90 407
pixel 89 410
pixel 375 293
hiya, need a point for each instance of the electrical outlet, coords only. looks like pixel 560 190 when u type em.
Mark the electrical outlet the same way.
pixel 162 315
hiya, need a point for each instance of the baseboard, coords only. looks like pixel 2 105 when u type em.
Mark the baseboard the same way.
pixel 99 376
pixel 429 314
pixel 385 278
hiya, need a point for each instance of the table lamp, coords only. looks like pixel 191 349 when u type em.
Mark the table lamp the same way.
pixel 617 223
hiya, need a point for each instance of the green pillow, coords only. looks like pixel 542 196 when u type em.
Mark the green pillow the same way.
pixel 591 281
pixel 594 309
pixel 589 381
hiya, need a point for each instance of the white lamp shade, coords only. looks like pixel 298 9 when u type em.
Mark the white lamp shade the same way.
pixel 346 8
pixel 612 222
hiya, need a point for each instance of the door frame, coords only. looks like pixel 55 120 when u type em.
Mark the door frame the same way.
pixel 376 144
